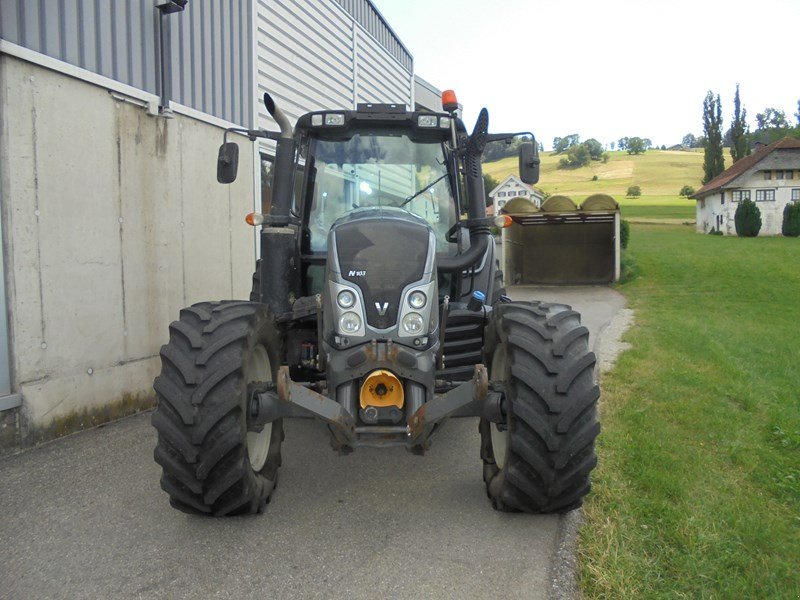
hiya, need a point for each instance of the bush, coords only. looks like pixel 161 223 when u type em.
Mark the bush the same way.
pixel 634 191
pixel 791 220
pixel 686 191
pixel 594 177
pixel 747 219
pixel 628 267
pixel 624 233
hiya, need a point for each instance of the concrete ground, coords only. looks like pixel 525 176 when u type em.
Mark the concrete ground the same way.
pixel 84 517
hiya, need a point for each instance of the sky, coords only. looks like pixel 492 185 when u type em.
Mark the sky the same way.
pixel 604 69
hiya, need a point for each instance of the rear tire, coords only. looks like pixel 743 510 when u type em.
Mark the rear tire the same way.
pixel 211 463
pixel 541 461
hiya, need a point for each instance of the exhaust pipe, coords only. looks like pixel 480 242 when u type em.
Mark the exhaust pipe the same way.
pixel 280 118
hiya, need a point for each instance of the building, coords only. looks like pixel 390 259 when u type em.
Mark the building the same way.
pixel 112 219
pixel 512 187
pixel 770 177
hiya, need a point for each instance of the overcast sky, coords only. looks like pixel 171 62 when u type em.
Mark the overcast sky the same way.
pixel 604 68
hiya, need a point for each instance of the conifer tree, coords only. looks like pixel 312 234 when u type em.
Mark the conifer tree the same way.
pixel 713 160
pixel 740 146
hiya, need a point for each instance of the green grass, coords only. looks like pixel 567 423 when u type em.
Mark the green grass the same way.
pixel 697 491
pixel 660 174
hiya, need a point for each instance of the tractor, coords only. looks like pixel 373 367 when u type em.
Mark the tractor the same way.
pixel 378 308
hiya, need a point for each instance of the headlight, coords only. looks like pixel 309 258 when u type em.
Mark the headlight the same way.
pixel 413 323
pixel 416 299
pixel 349 323
pixel 346 299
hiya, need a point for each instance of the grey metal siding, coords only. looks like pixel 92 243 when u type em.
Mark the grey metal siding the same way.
pixel 366 15
pixel 315 55
pixel 207 47
pixel 304 56
pixel 108 38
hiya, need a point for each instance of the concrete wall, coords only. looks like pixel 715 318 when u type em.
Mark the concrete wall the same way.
pixel 112 221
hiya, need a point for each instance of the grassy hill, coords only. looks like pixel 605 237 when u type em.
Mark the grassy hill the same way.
pixel 660 174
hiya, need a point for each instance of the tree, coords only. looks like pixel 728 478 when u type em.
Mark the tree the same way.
pixel 636 145
pixel 562 144
pixel 772 125
pixel 747 219
pixel 647 143
pixel 489 183
pixel 577 156
pixel 689 141
pixel 791 220
pixel 686 191
pixel 622 143
pixel 634 191
pixel 772 118
pixel 595 148
pixel 612 144
pixel 797 114
pixel 713 159
pixel 740 147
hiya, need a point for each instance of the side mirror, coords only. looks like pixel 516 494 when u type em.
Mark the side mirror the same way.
pixel 227 162
pixel 529 162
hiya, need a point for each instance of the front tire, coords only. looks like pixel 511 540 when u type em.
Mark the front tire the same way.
pixel 540 459
pixel 211 463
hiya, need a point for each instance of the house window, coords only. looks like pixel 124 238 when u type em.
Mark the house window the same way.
pixel 767 174
pixel 765 195
pixel 789 174
pixel 511 194
pixel 778 174
pixel 501 203
pixel 501 194
pixel 523 193
pixel 796 195
pixel 739 195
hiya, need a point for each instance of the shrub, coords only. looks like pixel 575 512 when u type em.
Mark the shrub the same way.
pixel 594 177
pixel 747 219
pixel 686 191
pixel 629 268
pixel 634 191
pixel 624 233
pixel 791 220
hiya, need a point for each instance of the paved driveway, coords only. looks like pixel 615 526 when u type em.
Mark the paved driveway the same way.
pixel 84 517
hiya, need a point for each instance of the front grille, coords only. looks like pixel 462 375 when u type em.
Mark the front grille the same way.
pixel 463 345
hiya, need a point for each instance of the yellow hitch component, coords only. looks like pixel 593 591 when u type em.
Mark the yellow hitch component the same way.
pixel 382 388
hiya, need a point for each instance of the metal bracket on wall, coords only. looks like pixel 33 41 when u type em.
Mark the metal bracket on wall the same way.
pixel 9 402
pixel 151 106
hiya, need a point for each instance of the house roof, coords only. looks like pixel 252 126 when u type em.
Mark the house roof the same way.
pixel 742 166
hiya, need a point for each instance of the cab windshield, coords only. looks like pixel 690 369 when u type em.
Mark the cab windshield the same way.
pixel 370 170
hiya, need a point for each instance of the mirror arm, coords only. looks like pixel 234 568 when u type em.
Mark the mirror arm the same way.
pixel 252 134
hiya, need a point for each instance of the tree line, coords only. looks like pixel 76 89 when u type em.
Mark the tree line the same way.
pixel 771 126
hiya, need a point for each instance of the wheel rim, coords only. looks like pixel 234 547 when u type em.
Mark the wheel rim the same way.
pixel 500 439
pixel 258 368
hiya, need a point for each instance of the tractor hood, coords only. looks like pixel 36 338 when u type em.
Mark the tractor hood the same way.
pixel 385 258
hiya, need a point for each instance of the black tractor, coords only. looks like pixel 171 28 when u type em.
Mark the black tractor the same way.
pixel 377 307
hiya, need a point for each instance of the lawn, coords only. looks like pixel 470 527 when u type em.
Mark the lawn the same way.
pixel 697 491
pixel 659 173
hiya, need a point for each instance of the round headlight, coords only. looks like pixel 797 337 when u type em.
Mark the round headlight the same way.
pixel 350 323
pixel 417 299
pixel 413 323
pixel 346 299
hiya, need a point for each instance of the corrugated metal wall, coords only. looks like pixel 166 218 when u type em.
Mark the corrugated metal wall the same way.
pixel 208 46
pixel 314 55
pixel 113 39
pixel 210 65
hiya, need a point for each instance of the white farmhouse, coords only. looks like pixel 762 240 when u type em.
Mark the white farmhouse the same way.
pixel 770 177
pixel 511 187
